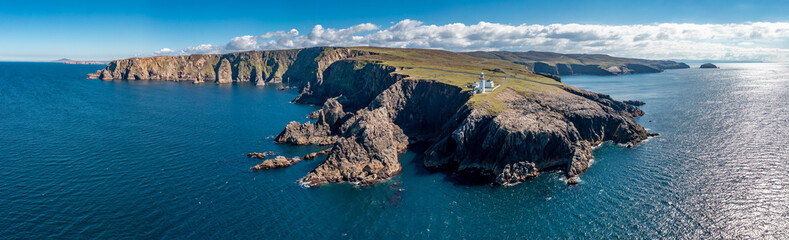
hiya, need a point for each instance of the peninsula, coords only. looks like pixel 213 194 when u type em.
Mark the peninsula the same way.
pixel 378 101
pixel 581 64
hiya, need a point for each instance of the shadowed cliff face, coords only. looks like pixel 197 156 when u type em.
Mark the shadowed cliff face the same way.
pixel 371 112
pixel 540 130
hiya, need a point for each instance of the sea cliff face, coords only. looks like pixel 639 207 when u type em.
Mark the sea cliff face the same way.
pixel 539 131
pixel 376 102
pixel 259 67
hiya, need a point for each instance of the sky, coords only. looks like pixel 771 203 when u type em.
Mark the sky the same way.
pixel 106 30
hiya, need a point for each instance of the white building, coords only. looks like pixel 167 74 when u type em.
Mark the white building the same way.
pixel 483 85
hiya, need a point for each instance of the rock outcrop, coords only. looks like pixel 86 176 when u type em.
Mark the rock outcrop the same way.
pixel 539 131
pixel 277 162
pixel 367 152
pixel 321 132
pixel 708 65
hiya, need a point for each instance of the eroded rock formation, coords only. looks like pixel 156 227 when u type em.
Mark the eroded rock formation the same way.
pixel 277 162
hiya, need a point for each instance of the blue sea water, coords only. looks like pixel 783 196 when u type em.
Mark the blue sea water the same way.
pixel 91 159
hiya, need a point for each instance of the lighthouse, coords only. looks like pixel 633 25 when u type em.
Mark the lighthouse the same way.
pixel 481 82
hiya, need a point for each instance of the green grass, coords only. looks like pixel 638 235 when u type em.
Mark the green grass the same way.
pixel 425 64
pixel 602 60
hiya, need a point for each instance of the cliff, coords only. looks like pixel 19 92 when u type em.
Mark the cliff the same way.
pixel 258 67
pixel 377 101
pixel 581 64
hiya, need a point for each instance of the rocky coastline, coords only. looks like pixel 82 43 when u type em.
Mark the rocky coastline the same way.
pixel 373 108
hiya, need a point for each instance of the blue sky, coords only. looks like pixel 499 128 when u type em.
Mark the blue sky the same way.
pixel 103 30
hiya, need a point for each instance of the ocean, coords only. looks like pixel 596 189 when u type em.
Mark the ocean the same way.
pixel 91 159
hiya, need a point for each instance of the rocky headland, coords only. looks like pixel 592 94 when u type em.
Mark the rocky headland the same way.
pixel 581 64
pixel 378 101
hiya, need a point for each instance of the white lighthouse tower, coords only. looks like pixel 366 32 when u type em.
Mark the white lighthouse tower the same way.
pixel 481 82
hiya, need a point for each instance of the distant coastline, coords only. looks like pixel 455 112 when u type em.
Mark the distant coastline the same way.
pixel 70 61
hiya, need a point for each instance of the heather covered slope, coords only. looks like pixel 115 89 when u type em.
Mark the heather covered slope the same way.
pixel 580 64
pixel 377 101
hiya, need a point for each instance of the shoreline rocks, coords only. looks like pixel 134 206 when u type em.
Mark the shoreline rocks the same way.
pixel 256 155
pixel 315 154
pixel 278 162
pixel 367 152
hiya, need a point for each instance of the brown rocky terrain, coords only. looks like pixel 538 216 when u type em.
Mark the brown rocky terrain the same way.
pixel 377 101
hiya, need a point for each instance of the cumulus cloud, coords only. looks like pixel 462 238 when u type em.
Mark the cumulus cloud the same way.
pixel 746 41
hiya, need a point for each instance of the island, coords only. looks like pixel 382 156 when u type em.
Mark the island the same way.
pixel 580 64
pixel 476 117
pixel 708 65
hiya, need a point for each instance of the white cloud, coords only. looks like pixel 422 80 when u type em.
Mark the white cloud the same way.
pixel 746 41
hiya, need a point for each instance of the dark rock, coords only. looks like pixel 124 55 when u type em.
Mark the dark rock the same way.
pixel 634 102
pixel 708 65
